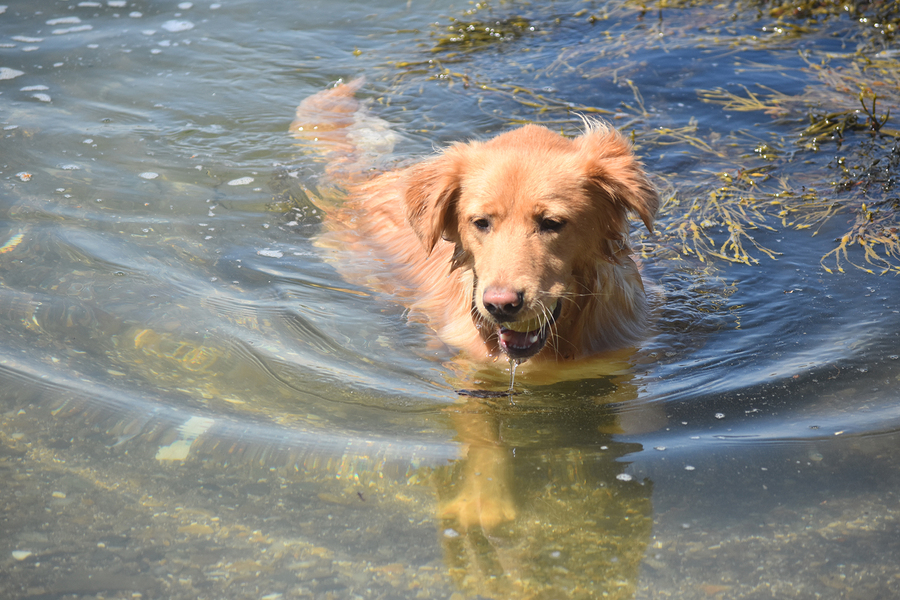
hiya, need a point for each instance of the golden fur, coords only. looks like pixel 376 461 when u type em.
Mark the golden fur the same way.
pixel 526 231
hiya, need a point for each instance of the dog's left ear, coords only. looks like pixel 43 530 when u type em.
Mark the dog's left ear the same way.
pixel 432 189
pixel 613 168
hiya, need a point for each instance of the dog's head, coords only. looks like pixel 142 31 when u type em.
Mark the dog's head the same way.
pixel 530 212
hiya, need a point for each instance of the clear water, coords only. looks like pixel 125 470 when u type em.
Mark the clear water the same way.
pixel 194 404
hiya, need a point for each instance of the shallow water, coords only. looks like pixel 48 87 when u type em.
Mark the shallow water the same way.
pixel 194 404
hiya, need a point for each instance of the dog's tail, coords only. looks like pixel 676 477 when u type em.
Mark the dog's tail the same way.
pixel 335 125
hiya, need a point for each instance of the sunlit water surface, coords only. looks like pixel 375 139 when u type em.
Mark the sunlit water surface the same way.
pixel 194 404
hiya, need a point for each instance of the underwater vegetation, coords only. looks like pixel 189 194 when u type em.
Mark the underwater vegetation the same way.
pixel 813 157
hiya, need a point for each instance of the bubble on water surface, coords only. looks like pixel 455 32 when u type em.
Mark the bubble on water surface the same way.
pixel 720 415
pixel 135 15
pixel 270 253
pixel 185 5
pixel 241 181
pixel 27 40
pixel 41 97
pixel 149 175
pixel 7 73
pixel 69 167
pixel 64 21
pixel 689 467
pixel 624 477
pixel 176 26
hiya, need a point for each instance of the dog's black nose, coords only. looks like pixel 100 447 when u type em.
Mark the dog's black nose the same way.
pixel 503 304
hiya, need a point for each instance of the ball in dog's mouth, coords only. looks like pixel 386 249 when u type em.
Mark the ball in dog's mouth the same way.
pixel 522 339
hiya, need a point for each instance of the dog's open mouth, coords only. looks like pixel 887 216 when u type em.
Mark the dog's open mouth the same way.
pixel 523 339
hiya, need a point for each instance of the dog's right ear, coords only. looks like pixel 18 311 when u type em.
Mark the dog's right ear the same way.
pixel 432 189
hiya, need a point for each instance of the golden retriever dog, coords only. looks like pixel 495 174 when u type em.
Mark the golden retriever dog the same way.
pixel 515 246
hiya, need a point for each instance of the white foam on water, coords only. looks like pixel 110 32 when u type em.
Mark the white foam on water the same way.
pixel 175 26
pixel 7 73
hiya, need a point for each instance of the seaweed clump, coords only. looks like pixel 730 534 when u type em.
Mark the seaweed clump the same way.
pixel 467 34
pixel 879 20
pixel 851 105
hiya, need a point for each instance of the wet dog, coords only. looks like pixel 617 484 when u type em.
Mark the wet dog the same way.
pixel 515 246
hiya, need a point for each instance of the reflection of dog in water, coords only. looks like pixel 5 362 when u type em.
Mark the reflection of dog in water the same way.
pixel 581 524
pixel 516 246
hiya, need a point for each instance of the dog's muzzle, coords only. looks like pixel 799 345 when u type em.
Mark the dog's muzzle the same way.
pixel 523 339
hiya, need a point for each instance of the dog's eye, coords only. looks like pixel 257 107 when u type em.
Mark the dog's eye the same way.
pixel 552 224
pixel 481 224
